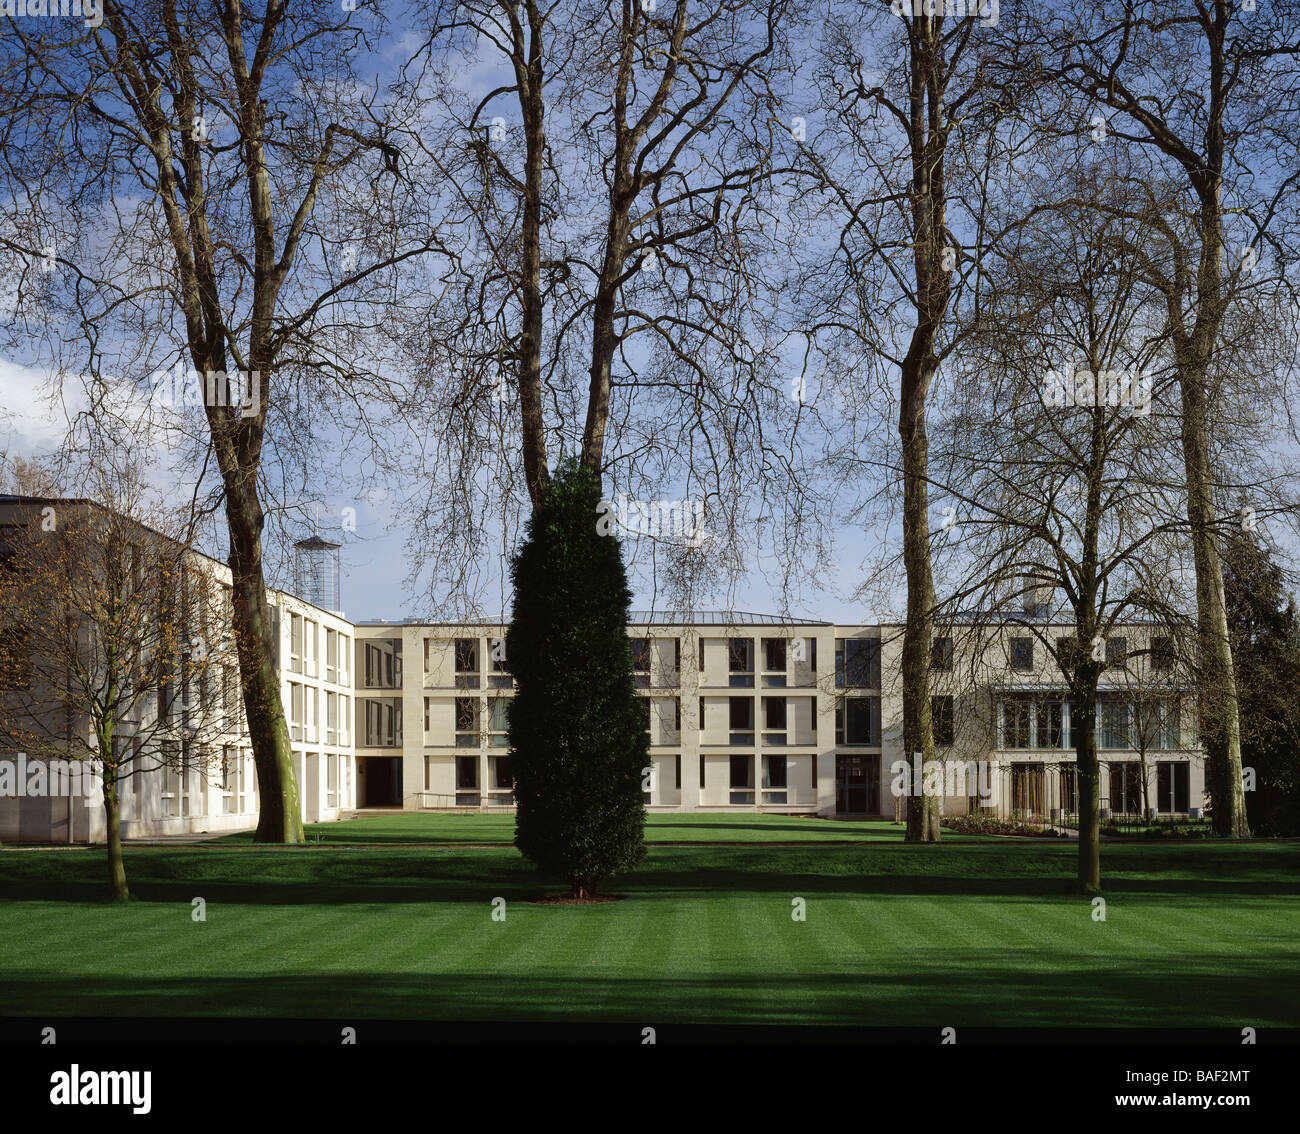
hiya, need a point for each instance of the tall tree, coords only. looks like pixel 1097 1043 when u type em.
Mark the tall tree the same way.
pixel 1220 64
pixel 578 742
pixel 211 135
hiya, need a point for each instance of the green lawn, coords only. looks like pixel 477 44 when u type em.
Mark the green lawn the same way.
pixel 981 933
pixel 451 828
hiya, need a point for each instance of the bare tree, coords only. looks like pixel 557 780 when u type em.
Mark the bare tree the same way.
pixel 1226 131
pixel 234 198
pixel 117 652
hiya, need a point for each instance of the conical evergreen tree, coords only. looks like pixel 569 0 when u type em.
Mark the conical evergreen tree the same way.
pixel 577 726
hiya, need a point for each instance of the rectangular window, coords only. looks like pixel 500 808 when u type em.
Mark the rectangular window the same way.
pixel 295 643
pixel 774 715
pixel 1173 787
pixel 774 779
pixel 1162 654
pixel 502 777
pixel 383 663
pixel 742 779
pixel 1125 787
pixel 774 654
pixel 857 663
pixel 1022 655
pixel 499 722
pixel 741 719
pixel 701 714
pixel 467 793
pixel 640 655
pixel 1050 726
pixel 467 722
pixel 941 655
pixel 1116 652
pixel 1015 722
pixel 740 662
pixel 941 715
pixel 1113 724
pixel 467 669
pixel 857 721
pixel 500 677
pixel 383 723
pixel 331 655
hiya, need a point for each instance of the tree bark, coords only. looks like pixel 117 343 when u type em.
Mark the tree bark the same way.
pixel 113 822
pixel 1083 718
pixel 279 818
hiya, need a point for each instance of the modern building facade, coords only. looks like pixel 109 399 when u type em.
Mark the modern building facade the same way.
pixel 745 712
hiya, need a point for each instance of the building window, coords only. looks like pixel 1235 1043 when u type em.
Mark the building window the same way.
pixel 742 780
pixel 1162 654
pixel 941 716
pixel 466 656
pixel 467 792
pixel 500 677
pixel 740 662
pixel 774 720
pixel 467 722
pixel 295 643
pixel 1113 724
pixel 857 721
pixel 640 655
pixel 1116 652
pixel 331 655
pixel 503 781
pixel 857 663
pixel 499 722
pixel 1125 787
pixel 774 779
pixel 701 714
pixel 941 655
pixel 1051 728
pixel 741 720
pixel 1015 722
pixel 383 723
pixel 645 714
pixel 1173 787
pixel 383 663
pixel 1022 655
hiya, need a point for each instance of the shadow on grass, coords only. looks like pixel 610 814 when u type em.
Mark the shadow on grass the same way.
pixel 446 875
pixel 968 991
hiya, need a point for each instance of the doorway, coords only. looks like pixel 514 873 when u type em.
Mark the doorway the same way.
pixel 379 781
pixel 857 785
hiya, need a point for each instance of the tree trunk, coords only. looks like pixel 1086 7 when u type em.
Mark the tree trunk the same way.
pixel 528 75
pixel 1220 722
pixel 1083 717
pixel 918 728
pixel 112 814
pixel 279 818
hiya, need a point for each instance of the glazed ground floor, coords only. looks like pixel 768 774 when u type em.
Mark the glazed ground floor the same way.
pixel 221 795
pixel 1034 785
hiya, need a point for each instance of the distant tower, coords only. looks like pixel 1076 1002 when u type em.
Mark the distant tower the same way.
pixel 316 573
